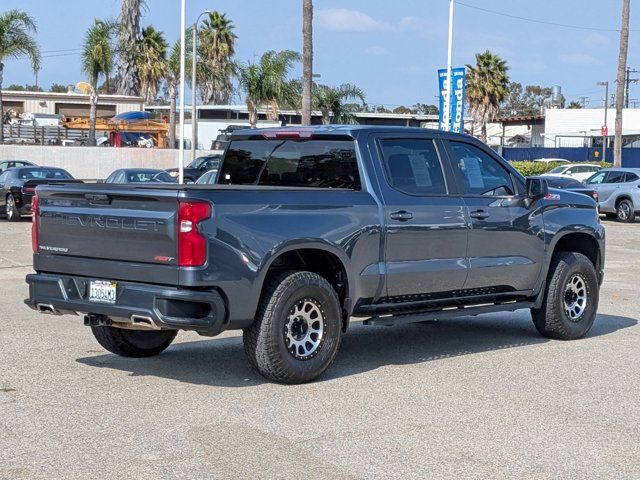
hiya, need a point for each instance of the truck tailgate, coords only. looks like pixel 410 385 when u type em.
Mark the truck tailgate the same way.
pixel 118 223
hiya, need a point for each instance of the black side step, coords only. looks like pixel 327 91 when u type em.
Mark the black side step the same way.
pixel 444 314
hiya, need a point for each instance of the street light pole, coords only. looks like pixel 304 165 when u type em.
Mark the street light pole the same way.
pixel 183 35
pixel 194 107
pixel 605 129
pixel 447 100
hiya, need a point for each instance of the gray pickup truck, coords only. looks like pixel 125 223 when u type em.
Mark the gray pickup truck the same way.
pixel 309 228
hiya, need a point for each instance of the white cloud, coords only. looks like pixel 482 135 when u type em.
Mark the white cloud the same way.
pixel 376 50
pixel 343 20
pixel 579 59
pixel 597 40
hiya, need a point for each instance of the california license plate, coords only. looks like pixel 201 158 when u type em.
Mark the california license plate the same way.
pixel 102 291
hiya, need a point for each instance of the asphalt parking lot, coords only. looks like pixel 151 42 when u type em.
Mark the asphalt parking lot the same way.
pixel 483 397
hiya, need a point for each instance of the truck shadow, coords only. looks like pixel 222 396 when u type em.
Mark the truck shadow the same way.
pixel 221 362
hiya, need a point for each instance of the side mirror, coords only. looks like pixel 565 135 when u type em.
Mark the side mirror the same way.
pixel 537 188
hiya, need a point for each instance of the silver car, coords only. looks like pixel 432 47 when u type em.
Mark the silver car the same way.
pixel 618 192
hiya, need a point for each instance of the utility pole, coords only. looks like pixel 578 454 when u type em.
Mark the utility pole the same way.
pixel 628 81
pixel 446 115
pixel 622 67
pixel 583 101
pixel 183 35
pixel 307 60
pixel 605 128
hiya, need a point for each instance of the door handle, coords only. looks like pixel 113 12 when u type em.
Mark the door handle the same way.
pixel 402 215
pixel 479 215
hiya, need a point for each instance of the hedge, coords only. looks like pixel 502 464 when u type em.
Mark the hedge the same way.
pixel 538 168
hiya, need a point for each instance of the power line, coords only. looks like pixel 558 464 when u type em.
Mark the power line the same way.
pixel 63 50
pixel 533 20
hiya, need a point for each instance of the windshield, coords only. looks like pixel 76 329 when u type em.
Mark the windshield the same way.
pixel 146 177
pixel 212 162
pixel 43 173
pixel 558 170
pixel 323 163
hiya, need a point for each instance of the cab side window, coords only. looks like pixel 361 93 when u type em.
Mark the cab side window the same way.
pixel 480 173
pixel 413 166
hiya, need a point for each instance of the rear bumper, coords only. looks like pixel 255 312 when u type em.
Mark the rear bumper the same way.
pixel 168 307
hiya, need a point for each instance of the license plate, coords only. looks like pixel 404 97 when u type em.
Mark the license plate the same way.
pixel 102 291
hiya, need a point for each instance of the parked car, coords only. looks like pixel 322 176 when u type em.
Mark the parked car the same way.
pixel 222 140
pixel 15 163
pixel 309 227
pixel 566 183
pixel 18 185
pixel 196 168
pixel 552 160
pixel 208 178
pixel 618 192
pixel 140 175
pixel 578 171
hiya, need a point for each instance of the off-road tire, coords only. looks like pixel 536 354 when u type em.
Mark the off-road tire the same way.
pixel 12 212
pixel 629 215
pixel 551 319
pixel 133 343
pixel 264 341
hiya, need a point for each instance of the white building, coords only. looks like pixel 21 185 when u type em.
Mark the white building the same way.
pixel 582 127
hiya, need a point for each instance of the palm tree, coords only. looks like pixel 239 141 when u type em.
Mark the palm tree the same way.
pixel 16 41
pixel 152 63
pixel 173 82
pixel 97 61
pixel 128 47
pixel 487 84
pixel 622 67
pixel 216 50
pixel 307 60
pixel 267 83
pixel 333 102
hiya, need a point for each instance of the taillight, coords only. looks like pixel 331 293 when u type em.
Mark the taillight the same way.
pixel 595 196
pixel 192 245
pixel 34 225
pixel 284 134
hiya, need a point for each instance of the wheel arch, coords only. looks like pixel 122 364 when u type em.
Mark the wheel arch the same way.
pixel 324 259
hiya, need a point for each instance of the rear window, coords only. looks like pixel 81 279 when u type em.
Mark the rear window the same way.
pixel 43 174
pixel 292 163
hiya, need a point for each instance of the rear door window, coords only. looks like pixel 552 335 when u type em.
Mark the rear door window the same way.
pixel 319 163
pixel 615 177
pixel 630 177
pixel 413 166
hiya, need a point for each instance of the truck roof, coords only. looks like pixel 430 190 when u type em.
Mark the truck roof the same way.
pixel 350 130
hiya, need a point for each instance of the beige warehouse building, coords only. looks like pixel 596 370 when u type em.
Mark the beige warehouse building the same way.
pixel 68 104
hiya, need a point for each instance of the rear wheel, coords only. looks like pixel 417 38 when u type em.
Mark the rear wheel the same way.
pixel 133 343
pixel 13 214
pixel 571 298
pixel 625 211
pixel 297 331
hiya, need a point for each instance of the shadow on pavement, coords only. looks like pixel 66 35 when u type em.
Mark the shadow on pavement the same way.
pixel 222 362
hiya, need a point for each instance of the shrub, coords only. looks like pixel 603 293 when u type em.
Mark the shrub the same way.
pixel 529 169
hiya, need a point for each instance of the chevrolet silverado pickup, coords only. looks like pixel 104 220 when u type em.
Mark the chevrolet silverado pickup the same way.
pixel 309 228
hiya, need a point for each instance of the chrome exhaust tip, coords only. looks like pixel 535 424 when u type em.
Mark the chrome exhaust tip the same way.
pixel 47 309
pixel 144 322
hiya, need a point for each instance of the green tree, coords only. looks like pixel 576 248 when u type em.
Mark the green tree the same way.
pixel 172 78
pixel 129 47
pixel 97 61
pixel 332 102
pixel 14 87
pixel 17 30
pixel 424 109
pixel 58 88
pixel 216 49
pixel 574 105
pixel 266 83
pixel 152 63
pixel 487 83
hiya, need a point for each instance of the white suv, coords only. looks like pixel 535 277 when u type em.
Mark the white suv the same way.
pixel 579 171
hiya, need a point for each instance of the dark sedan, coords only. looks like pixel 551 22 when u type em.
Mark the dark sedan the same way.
pixel 566 183
pixel 139 175
pixel 195 169
pixel 18 185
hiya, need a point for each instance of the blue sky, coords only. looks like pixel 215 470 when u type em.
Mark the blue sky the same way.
pixel 391 49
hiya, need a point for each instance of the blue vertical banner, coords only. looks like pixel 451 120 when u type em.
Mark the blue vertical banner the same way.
pixel 452 100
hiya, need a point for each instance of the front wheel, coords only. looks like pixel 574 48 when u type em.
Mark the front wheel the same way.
pixel 297 330
pixel 13 214
pixel 625 211
pixel 571 298
pixel 133 343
